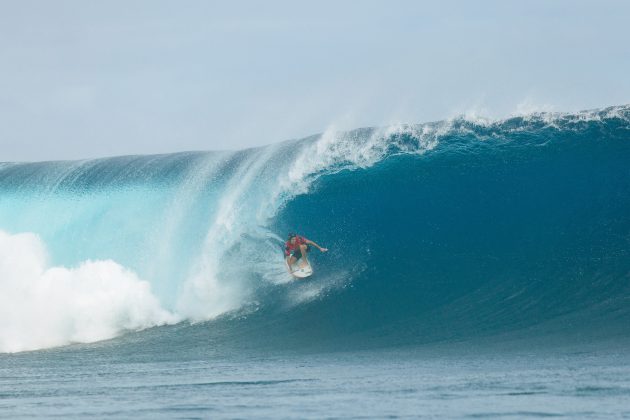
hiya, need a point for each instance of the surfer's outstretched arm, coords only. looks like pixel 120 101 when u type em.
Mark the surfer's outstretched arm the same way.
pixel 316 246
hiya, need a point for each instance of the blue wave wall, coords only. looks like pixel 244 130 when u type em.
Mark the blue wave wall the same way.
pixel 488 233
pixel 438 231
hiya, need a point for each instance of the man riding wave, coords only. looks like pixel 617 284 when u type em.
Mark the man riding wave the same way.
pixel 296 248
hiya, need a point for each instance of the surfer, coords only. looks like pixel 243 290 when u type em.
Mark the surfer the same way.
pixel 297 247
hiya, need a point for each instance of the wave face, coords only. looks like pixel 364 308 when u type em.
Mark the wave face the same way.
pixel 438 231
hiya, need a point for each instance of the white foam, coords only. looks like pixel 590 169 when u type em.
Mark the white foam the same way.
pixel 42 307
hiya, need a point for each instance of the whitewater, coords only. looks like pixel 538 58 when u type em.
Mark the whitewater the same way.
pixel 164 273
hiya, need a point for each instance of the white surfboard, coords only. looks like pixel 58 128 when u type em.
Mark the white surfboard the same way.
pixel 297 270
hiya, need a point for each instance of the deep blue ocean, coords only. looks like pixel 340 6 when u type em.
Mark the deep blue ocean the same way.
pixel 477 268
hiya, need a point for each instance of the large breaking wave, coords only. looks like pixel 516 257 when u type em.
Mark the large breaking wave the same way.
pixel 437 231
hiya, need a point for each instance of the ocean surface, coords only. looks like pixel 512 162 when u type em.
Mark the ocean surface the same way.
pixel 477 268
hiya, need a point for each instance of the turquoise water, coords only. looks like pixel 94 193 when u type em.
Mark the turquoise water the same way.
pixel 477 268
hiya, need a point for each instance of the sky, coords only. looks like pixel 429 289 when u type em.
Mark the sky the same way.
pixel 85 78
